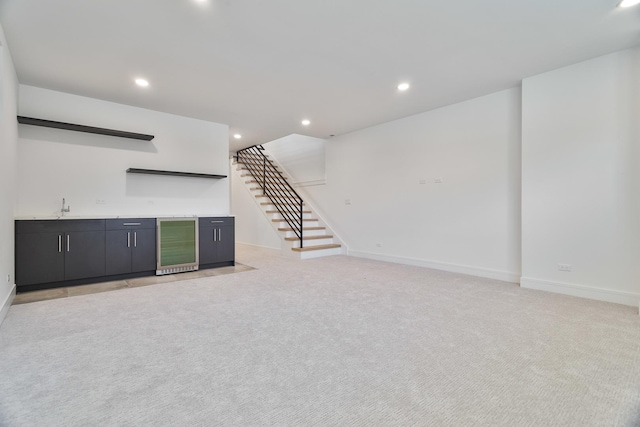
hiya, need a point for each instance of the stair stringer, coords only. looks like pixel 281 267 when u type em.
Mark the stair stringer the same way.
pixel 316 212
pixel 287 246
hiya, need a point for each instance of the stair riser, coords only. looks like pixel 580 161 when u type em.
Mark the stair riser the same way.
pixel 255 161
pixel 305 223
pixel 276 192
pixel 283 193
pixel 254 183
pixel 305 217
pixel 305 211
pixel 271 206
pixel 320 253
pixel 271 176
pixel 279 204
pixel 259 173
pixel 305 233
pixel 293 201
pixel 314 242
pixel 257 189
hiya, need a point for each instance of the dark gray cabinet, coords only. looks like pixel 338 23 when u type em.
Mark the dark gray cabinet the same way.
pixel 143 257
pixel 39 258
pixel 216 240
pixel 66 252
pixel 84 254
pixel 58 250
pixel 130 245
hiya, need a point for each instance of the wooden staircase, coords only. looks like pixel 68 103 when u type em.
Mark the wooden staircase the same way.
pixel 317 240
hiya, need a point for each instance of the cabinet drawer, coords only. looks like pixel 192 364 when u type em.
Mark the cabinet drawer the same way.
pixel 216 221
pixel 59 225
pixel 130 223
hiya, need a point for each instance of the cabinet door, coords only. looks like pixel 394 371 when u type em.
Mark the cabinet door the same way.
pixel 39 258
pixel 84 254
pixel 118 251
pixel 144 250
pixel 208 245
pixel 226 244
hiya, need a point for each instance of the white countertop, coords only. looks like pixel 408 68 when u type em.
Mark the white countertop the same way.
pixel 44 217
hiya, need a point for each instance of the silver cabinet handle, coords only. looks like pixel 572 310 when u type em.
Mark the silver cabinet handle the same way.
pixel 59 243
pixel 219 234
pixel 128 239
pixel 131 223
pixel 135 239
pixel 215 222
pixel 68 242
pixel 214 234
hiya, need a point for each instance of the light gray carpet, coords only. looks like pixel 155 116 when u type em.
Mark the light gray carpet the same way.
pixel 337 341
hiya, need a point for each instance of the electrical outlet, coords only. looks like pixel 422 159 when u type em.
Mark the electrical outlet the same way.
pixel 438 180
pixel 100 202
pixel 347 201
pixel 9 278
pixel 564 267
pixel 422 181
pixel 378 245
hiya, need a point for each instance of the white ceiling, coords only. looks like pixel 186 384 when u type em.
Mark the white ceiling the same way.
pixel 261 66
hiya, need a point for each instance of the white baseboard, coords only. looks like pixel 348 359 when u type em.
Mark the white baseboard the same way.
pixel 505 276
pixel 4 309
pixel 583 291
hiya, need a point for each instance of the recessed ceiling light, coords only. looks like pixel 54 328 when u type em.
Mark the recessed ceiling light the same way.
pixel 142 82
pixel 237 136
pixel 405 86
pixel 629 3
pixel 306 122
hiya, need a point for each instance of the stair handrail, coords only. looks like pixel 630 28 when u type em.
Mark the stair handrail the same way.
pixel 260 167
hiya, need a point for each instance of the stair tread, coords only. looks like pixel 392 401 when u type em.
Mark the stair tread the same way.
pixel 303 228
pixel 295 239
pixel 274 172
pixel 303 220
pixel 249 175
pixel 273 190
pixel 316 248
pixel 254 160
pixel 277 212
pixel 281 204
pixel 268 174
pixel 278 197
pixel 258 165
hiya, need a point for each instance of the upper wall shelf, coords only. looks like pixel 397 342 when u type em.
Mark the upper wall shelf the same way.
pixel 189 174
pixel 81 128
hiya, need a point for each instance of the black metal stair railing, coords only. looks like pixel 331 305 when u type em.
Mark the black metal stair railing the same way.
pixel 274 186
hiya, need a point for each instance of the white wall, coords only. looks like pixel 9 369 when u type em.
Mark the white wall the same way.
pixel 85 168
pixel 468 223
pixel 581 180
pixel 252 226
pixel 303 157
pixel 8 139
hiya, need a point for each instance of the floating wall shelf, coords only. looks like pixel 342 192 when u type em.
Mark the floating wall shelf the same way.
pixel 81 128
pixel 172 173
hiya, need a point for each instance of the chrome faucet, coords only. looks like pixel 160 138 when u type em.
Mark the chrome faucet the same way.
pixel 63 210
